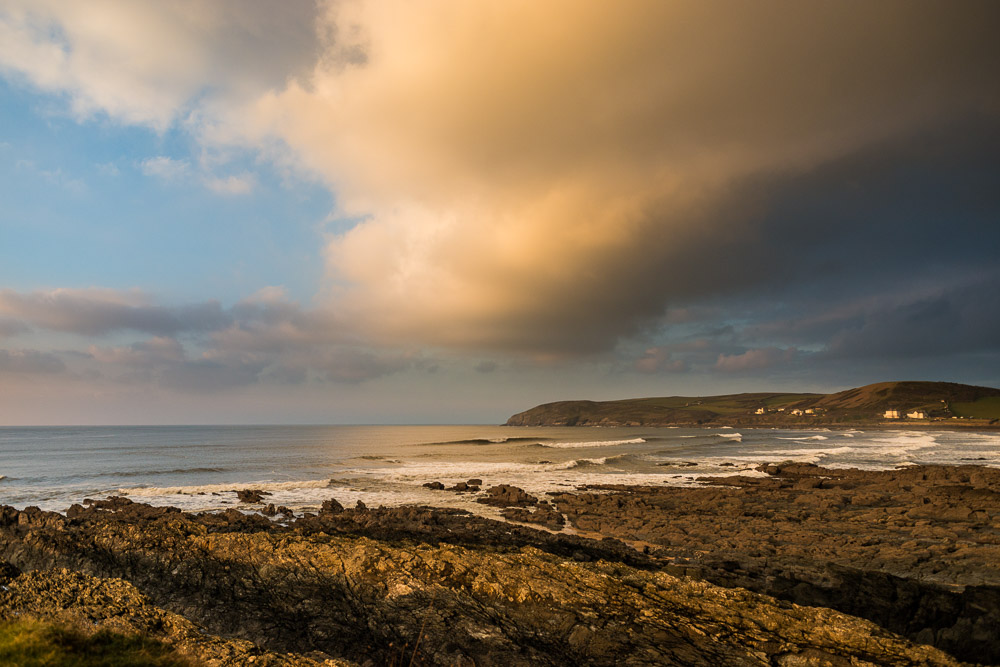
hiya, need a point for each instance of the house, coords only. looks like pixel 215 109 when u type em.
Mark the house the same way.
pixel 891 414
pixel 810 411
pixel 760 411
pixel 916 414
pixel 796 412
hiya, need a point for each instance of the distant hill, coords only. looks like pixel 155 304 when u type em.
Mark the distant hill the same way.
pixel 967 404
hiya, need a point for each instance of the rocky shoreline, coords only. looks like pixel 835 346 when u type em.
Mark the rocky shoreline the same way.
pixel 806 566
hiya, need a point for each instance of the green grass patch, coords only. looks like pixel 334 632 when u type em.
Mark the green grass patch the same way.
pixel 985 408
pixel 38 644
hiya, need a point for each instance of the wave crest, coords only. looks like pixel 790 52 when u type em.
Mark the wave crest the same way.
pixel 594 443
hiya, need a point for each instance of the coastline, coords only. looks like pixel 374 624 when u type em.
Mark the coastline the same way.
pixel 914 550
pixel 965 425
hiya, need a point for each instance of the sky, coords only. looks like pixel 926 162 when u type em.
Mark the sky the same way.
pixel 242 211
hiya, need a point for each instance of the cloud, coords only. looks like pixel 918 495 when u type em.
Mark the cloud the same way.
pixel 181 172
pixel 230 185
pixel 10 327
pixel 166 168
pixel 156 351
pixel 486 366
pixel 962 319
pixel 153 63
pixel 757 359
pixel 29 361
pixel 548 179
pixel 578 168
pixel 263 339
pixel 95 312
pixel 660 360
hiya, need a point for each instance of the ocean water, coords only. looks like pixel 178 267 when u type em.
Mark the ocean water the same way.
pixel 197 467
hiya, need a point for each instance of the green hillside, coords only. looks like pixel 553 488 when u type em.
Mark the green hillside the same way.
pixel 868 404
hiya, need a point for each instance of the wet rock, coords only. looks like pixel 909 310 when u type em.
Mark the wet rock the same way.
pixel 915 549
pixel 504 495
pixel 251 496
pixel 331 506
pixel 90 604
pixel 475 481
pixel 542 516
pixel 360 506
pixel 270 510
pixel 464 486
pixel 312 587
pixel 437 486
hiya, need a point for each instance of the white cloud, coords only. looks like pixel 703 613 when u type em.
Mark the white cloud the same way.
pixel 167 168
pixel 230 185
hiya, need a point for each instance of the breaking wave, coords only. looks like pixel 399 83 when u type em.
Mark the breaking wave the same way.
pixel 488 441
pixel 218 489
pixel 594 443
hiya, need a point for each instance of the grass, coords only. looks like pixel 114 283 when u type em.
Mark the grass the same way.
pixel 37 644
pixel 984 408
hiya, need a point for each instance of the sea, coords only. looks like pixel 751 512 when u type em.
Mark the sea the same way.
pixel 197 468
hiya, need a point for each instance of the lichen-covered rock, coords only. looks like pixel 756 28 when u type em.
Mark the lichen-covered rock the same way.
pixel 411 596
pixel 915 550
pixel 90 604
pixel 251 496
pixel 504 495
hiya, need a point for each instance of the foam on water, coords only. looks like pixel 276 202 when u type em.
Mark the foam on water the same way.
pixel 593 443
pixel 198 468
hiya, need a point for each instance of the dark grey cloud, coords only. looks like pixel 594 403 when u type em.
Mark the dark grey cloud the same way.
pixel 351 366
pixel 486 367
pixel 962 320
pixel 30 361
pixel 210 376
pixel 764 358
pixel 11 327
pixel 99 312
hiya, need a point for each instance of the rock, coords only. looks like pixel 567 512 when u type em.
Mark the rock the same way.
pixel 87 604
pixel 437 486
pixel 504 495
pixel 270 510
pixel 464 486
pixel 331 506
pixel 911 549
pixel 251 496
pixel 360 506
pixel 475 481
pixel 361 585
pixel 542 516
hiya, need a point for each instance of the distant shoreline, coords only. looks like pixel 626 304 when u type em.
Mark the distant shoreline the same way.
pixel 901 425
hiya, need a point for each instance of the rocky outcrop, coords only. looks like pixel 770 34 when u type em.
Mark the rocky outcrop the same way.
pixel 251 496
pixel 312 587
pixel 504 495
pixel 544 515
pixel 915 550
pixel 90 604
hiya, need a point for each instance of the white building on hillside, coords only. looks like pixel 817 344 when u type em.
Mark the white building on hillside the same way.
pixel 917 414
pixel 891 414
